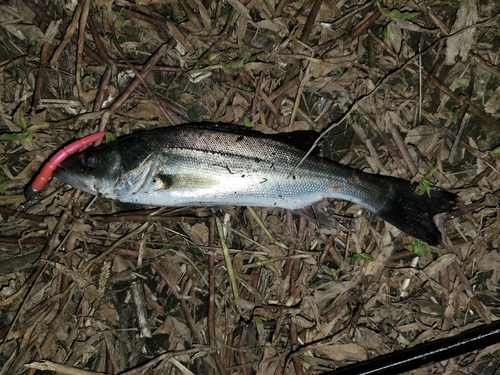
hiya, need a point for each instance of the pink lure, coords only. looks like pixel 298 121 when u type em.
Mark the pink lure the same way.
pixel 46 173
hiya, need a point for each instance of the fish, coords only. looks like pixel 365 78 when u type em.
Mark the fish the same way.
pixel 223 165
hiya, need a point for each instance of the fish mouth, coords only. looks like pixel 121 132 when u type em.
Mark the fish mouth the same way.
pixel 78 182
pixel 62 175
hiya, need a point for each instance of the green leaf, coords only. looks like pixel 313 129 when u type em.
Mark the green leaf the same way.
pixel 15 136
pixel 424 186
pixel 259 323
pixel 201 51
pixel 388 33
pixel 495 151
pixel 19 119
pixel 329 271
pixel 362 256
pixel 120 18
pixel 110 137
pixel 464 82
pixel 234 66
pixel 4 186
pixel 192 114
pixel 247 122
pixel 419 247
pixel 404 16
pixel 454 117
pixel 226 9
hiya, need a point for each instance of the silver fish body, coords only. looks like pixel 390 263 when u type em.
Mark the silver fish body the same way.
pixel 219 165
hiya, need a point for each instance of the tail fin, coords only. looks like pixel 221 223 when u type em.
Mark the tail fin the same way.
pixel 413 213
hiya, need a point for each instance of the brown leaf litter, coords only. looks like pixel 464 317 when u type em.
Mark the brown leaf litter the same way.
pixel 91 286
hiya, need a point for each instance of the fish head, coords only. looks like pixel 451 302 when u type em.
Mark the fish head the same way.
pixel 116 170
pixel 95 170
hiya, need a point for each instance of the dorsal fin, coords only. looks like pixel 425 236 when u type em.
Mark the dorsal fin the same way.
pixel 302 139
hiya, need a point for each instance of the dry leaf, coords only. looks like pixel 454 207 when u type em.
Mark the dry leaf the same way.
pixel 108 313
pixel 342 352
pixel 458 46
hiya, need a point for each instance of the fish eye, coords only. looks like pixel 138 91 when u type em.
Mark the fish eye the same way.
pixel 89 160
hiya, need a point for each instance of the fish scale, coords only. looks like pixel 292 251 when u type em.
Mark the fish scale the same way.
pixel 225 165
pixel 265 181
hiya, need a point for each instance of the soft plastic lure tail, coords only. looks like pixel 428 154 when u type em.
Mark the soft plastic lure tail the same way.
pixel 46 173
